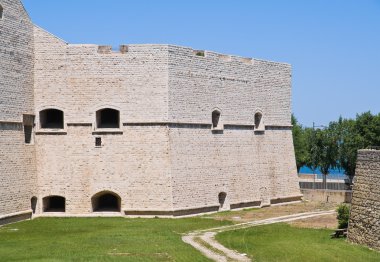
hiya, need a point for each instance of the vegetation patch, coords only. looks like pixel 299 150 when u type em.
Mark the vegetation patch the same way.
pixel 335 145
pixel 343 215
pixel 282 242
pixel 101 239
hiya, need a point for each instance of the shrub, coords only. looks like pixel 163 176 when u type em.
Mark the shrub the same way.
pixel 343 215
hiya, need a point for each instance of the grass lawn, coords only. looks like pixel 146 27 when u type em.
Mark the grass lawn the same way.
pixel 282 242
pixel 101 239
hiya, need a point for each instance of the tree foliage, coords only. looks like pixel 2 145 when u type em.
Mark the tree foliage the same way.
pixel 335 146
pixel 300 144
pixel 324 150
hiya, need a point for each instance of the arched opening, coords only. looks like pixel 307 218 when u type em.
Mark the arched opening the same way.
pixel 215 119
pixel 106 202
pixel 33 204
pixel 1 12
pixel 108 118
pixel 54 204
pixel 222 199
pixel 259 125
pixel 51 118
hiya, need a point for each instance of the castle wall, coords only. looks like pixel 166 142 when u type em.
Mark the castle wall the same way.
pixel 133 160
pixel 17 159
pixel 164 159
pixel 252 168
pixel 364 224
pixel 132 164
pixel 16 44
pixel 81 79
pixel 237 86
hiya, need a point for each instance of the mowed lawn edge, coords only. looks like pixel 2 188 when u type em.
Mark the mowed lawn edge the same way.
pixel 101 239
pixel 283 242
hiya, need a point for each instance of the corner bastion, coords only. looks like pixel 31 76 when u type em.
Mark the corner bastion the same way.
pixel 364 224
pixel 18 181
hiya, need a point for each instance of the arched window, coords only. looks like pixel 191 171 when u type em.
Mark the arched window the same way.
pixel 259 123
pixel 108 118
pixel 215 118
pixel 51 118
pixel 106 202
pixel 1 12
pixel 54 204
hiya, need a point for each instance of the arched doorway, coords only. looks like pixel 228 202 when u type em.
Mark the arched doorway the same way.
pixel 106 202
pixel 54 204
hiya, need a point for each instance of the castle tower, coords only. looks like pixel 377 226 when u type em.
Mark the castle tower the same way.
pixel 17 155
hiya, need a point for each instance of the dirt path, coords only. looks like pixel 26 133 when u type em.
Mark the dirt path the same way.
pixel 204 240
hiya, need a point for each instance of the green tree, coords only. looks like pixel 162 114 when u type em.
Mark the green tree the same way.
pixel 349 142
pixel 300 144
pixel 324 151
pixel 337 145
pixel 368 127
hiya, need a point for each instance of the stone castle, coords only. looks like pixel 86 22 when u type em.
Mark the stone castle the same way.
pixel 146 130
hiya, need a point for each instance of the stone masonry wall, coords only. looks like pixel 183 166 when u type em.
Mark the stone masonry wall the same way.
pixel 249 166
pixel 237 86
pixel 164 158
pixel 17 159
pixel 133 160
pixel 16 62
pixel 364 225
pixel 133 164
pixel 80 80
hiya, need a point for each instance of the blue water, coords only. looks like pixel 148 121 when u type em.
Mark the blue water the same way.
pixel 306 170
pixel 333 173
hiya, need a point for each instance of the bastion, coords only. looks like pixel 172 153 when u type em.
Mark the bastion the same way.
pixel 364 224
pixel 155 130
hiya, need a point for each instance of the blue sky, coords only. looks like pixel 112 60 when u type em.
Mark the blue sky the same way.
pixel 333 45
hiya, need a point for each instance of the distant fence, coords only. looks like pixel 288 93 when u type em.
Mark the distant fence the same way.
pixel 329 177
pixel 337 182
pixel 329 186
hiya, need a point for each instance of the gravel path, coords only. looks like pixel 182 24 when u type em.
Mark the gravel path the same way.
pixel 204 240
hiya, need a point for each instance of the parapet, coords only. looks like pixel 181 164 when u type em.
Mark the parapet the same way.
pixel 107 49
pixel 217 56
pixel 180 50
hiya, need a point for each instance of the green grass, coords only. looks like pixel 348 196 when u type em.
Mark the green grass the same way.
pixel 121 239
pixel 101 239
pixel 281 242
